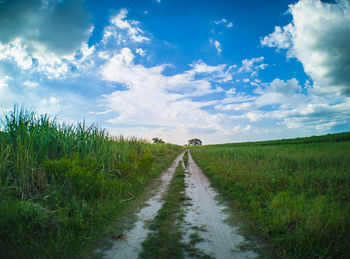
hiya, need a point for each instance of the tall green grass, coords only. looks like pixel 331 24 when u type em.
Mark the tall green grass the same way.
pixel 60 185
pixel 297 197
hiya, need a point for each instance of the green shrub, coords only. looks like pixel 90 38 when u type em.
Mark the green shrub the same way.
pixel 145 162
pixel 23 224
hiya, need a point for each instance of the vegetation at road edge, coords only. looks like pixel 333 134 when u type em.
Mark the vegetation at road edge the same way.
pixel 61 185
pixel 295 196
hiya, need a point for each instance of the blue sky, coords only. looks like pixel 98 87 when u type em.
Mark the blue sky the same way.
pixel 221 71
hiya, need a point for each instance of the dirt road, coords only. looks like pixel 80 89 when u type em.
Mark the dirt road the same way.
pixel 130 246
pixel 205 220
pixel 207 217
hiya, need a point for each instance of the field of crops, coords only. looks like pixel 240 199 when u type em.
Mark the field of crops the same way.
pixel 293 194
pixel 61 185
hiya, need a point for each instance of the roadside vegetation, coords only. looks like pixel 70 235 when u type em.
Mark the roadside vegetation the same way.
pixel 295 194
pixel 61 185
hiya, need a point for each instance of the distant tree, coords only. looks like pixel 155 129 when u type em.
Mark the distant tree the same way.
pixel 195 142
pixel 157 140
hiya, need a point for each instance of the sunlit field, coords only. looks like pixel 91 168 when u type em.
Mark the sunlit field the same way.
pixel 294 193
pixel 61 185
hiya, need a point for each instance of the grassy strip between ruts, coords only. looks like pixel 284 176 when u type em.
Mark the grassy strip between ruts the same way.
pixel 62 185
pixel 294 196
pixel 185 158
pixel 165 241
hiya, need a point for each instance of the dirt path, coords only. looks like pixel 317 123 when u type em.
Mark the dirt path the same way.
pixel 205 218
pixel 204 226
pixel 130 246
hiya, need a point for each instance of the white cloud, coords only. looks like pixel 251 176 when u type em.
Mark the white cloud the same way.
pixel 141 52
pixel 86 51
pixel 30 84
pixel 152 98
pixel 103 55
pixel 201 67
pixel 239 129
pixel 319 37
pixel 236 97
pixel 231 91
pixel 16 52
pixel 45 26
pixel 285 94
pixel 217 45
pixel 225 22
pixel 3 83
pixel 280 38
pixel 252 65
pixel 119 23
pixel 45 42
pixel 248 128
pixel 290 106
pixel 234 107
pixel 319 116
pixel 30 55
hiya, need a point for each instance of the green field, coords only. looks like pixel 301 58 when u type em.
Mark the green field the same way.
pixel 62 185
pixel 293 194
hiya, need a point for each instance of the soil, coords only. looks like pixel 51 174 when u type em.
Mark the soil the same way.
pixel 206 217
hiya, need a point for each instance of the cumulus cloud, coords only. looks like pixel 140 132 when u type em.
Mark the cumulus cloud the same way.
pixel 290 106
pixel 152 98
pixel 286 94
pixel 56 26
pixel 319 37
pixel 280 38
pixel 320 116
pixel 43 35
